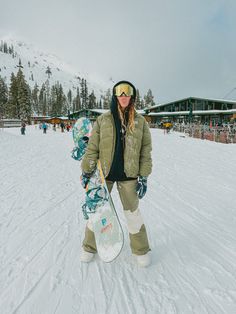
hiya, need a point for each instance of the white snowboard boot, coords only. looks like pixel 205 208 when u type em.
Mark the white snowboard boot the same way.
pixel 86 257
pixel 143 260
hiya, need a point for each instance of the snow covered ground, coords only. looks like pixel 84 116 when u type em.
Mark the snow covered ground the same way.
pixel 189 211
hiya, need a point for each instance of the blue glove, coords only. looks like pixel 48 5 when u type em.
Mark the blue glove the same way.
pixel 141 187
pixel 85 177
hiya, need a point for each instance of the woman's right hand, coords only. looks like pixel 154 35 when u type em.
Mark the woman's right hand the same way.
pixel 84 178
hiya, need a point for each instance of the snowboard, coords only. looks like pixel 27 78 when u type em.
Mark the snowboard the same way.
pixel 99 207
pixel 81 132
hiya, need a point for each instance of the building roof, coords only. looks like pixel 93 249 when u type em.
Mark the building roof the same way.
pixel 61 118
pixel 141 111
pixel 194 112
pixel 98 110
pixel 195 98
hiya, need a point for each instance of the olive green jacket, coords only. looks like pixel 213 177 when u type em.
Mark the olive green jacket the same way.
pixel 137 151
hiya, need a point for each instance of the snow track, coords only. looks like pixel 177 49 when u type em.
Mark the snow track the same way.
pixel 190 215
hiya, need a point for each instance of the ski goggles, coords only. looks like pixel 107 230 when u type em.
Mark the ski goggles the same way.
pixel 124 88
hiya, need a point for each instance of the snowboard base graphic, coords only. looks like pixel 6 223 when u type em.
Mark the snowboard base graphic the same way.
pixel 98 207
pixel 107 229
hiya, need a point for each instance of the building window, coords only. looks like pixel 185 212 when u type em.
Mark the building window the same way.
pixel 218 106
pixel 182 106
pixel 210 106
pixel 198 105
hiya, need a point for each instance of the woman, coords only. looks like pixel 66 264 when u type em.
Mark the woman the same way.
pixel 121 140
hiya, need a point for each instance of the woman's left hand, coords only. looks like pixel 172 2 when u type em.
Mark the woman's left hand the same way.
pixel 141 187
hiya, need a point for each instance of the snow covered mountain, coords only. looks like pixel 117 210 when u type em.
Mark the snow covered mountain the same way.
pixel 35 64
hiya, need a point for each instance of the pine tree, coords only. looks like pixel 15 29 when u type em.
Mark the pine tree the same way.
pixel 148 99
pixel 5 48
pixel 107 99
pixel 11 50
pixel 58 100
pixel 69 99
pixel 42 101
pixel 23 97
pixel 62 104
pixel 138 100
pixel 142 104
pixel 77 101
pixel 35 99
pixel 53 100
pixel 3 97
pixel 84 94
pixel 47 95
pixel 92 101
pixel 12 109
pixel 100 103
pixel 48 72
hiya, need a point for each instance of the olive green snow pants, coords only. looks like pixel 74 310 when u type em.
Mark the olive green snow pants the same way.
pixel 137 231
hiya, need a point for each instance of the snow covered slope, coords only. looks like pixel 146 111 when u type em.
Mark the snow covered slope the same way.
pixel 35 63
pixel 190 215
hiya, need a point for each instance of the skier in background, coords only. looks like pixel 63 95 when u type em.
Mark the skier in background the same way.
pixel 44 127
pixel 62 125
pixel 23 126
pixel 68 128
pixel 129 167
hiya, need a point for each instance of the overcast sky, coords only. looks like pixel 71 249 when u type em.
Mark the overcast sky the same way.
pixel 178 48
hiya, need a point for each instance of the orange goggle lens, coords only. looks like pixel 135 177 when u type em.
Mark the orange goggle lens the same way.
pixel 124 89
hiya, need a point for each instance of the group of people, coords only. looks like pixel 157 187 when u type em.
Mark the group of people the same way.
pixel 63 126
pixel 44 126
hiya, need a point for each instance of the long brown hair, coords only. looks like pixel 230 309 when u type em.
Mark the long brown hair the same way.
pixel 130 124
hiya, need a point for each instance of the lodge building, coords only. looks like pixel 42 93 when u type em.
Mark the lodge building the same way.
pixel 193 109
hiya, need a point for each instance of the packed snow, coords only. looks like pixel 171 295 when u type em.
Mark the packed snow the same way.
pixel 189 212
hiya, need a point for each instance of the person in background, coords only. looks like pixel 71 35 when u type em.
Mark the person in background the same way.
pixel 23 126
pixel 44 127
pixel 62 125
pixel 121 139
pixel 68 127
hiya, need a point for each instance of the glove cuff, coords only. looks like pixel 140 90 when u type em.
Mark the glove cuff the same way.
pixel 87 175
pixel 143 178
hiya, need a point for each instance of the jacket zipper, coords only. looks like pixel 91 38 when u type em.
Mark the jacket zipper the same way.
pixel 113 144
